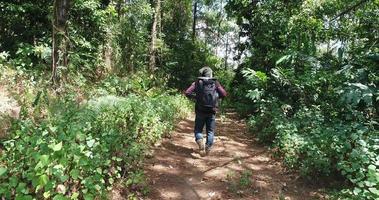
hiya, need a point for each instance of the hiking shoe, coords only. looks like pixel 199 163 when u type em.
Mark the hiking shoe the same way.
pixel 201 146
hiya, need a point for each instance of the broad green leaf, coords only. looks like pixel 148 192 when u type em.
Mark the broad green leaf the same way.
pixel 91 142
pixel 22 188
pixel 374 191
pixel 3 170
pixel 359 85
pixel 22 197
pixel 74 174
pixel 13 181
pixel 88 197
pixel 56 147
pixel 81 137
pixel 59 197
pixel 261 75
pixel 97 187
pixel 372 167
pixel 369 183
pixel 356 191
pixel 53 129
pixel 43 180
pixel 74 195
pixel 44 160
pixel 64 178
pixel 46 194
pixel 283 58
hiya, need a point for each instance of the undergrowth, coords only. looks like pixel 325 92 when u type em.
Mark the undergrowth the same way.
pixel 71 146
pixel 333 136
pixel 321 148
pixel 240 183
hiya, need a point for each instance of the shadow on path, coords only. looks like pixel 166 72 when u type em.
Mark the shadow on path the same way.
pixel 177 171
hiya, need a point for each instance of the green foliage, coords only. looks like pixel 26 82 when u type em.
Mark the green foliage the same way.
pixel 78 152
pixel 225 77
pixel 86 33
pixel 319 147
pixel 106 36
pixel 130 36
pixel 263 124
pixel 319 103
pixel 256 79
pixel 23 22
pixel 26 31
pixel 183 62
pixel 139 83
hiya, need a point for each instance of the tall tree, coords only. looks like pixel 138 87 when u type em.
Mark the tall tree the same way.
pixel 59 36
pixel 194 19
pixel 152 51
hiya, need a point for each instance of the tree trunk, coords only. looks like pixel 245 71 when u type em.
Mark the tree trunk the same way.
pixel 152 50
pixel 54 50
pixel 194 20
pixel 226 51
pixel 59 36
pixel 107 53
pixel 118 9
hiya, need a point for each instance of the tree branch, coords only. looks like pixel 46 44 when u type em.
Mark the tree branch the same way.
pixel 350 9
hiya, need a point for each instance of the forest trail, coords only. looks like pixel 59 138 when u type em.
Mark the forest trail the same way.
pixel 176 170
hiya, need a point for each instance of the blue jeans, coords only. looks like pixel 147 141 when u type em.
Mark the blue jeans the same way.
pixel 209 120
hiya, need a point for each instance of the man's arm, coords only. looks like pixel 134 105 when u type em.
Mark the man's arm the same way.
pixel 189 91
pixel 221 91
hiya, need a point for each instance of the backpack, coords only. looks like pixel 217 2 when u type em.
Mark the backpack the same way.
pixel 206 95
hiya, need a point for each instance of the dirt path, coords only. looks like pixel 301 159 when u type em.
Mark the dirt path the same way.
pixel 238 168
pixel 9 108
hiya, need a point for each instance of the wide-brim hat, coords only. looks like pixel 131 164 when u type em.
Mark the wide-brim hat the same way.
pixel 206 72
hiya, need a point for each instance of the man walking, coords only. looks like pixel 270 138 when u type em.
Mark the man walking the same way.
pixel 206 90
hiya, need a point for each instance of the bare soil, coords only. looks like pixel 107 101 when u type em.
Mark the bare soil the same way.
pixel 177 171
pixel 8 109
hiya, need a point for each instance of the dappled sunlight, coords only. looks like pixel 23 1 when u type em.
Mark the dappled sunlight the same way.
pixel 207 191
pixel 218 173
pixel 177 171
pixel 160 168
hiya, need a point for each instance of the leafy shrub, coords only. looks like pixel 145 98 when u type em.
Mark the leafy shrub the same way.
pixel 321 148
pixel 263 124
pixel 78 152
pixel 140 83
pixel 28 56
